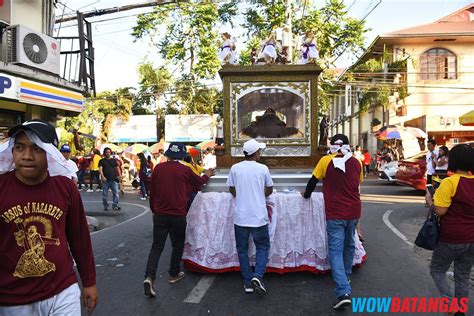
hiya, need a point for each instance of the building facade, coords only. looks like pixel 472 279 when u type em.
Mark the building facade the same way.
pixel 425 80
pixel 41 76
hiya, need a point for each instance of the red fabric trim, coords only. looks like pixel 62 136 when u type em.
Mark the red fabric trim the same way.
pixel 194 267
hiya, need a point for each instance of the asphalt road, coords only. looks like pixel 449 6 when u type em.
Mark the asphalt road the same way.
pixel 393 267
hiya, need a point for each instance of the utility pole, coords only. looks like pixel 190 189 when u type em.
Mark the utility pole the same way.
pixel 92 13
pixel 287 31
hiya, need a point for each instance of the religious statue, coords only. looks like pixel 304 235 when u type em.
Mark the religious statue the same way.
pixel 284 58
pixel 226 52
pixel 254 55
pixel 269 125
pixel 308 49
pixel 269 49
pixel 323 131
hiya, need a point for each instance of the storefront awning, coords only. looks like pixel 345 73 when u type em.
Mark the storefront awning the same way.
pixel 467 119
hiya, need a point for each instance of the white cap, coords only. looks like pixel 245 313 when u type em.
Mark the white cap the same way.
pixel 251 146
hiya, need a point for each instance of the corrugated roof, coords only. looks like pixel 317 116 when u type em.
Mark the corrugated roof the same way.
pixel 458 23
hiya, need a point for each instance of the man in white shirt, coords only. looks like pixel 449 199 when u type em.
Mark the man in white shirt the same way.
pixel 66 151
pixel 431 155
pixel 250 182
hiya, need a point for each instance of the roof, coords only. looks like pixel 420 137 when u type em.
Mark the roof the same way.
pixel 458 23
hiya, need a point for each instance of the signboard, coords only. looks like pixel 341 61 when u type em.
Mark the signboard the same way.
pixel 8 87
pixel 31 92
pixel 45 95
pixel 189 128
pixel 137 129
pixel 5 12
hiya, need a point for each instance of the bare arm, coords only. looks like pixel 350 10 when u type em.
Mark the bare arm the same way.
pixel 440 211
pixel 101 173
pixel 268 191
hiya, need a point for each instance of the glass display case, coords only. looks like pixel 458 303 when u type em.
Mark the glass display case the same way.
pixel 277 113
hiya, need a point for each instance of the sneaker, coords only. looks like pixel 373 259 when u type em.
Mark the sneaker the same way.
pixel 342 301
pixel 116 208
pixel 143 198
pixel 258 286
pixel 248 289
pixel 90 190
pixel 79 189
pixel 106 208
pixel 149 287
pixel 98 190
pixel 175 279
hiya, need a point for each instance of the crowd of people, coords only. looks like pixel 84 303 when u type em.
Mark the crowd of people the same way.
pixel 37 275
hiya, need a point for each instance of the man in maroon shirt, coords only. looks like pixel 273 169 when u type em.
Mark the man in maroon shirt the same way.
pixel 42 223
pixel 171 185
pixel 342 174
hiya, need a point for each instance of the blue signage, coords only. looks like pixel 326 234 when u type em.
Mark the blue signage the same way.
pixel 5 83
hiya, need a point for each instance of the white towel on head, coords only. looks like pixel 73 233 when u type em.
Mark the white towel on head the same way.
pixel 57 164
pixel 340 162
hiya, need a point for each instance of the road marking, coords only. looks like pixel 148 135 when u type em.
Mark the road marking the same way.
pixel 146 210
pixel 394 229
pixel 198 292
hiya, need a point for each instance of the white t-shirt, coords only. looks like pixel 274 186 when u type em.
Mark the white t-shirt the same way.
pixel 430 170
pixel 209 161
pixel 249 178
pixel 73 166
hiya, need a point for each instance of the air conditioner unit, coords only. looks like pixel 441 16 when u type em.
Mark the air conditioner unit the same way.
pixel 21 45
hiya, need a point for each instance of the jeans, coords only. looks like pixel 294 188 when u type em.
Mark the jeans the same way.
pixel 341 248
pixel 261 239
pixel 143 188
pixel 114 187
pixel 80 178
pixel 94 175
pixel 443 256
pixel 163 225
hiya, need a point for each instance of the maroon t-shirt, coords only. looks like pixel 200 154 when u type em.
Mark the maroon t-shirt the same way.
pixel 341 191
pixel 457 225
pixel 171 187
pixel 38 226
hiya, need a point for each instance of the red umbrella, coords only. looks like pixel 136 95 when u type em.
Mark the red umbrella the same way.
pixel 193 151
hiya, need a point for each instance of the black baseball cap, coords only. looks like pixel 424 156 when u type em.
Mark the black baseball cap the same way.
pixel 45 131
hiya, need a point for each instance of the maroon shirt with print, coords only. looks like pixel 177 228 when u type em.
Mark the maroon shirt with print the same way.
pixel 40 227
pixel 341 191
pixel 171 186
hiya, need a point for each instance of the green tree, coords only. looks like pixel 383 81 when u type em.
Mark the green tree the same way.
pixel 154 82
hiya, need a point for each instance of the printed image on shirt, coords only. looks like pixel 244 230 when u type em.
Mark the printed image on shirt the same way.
pixel 34 235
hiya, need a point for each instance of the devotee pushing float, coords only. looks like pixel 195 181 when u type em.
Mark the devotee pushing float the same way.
pixel 342 174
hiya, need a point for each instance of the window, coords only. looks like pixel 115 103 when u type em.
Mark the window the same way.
pixel 438 64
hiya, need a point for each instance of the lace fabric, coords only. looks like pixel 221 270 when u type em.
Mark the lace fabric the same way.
pixel 297 232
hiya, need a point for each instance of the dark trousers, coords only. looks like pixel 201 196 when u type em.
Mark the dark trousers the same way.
pixel 163 225
pixel 80 178
pixel 95 175
pixel 443 256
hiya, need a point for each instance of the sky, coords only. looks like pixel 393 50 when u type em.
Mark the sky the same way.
pixel 117 55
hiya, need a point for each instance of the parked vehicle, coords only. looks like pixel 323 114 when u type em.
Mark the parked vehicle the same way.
pixel 387 171
pixel 412 171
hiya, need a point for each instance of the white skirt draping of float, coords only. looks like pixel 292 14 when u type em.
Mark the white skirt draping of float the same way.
pixel 298 240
